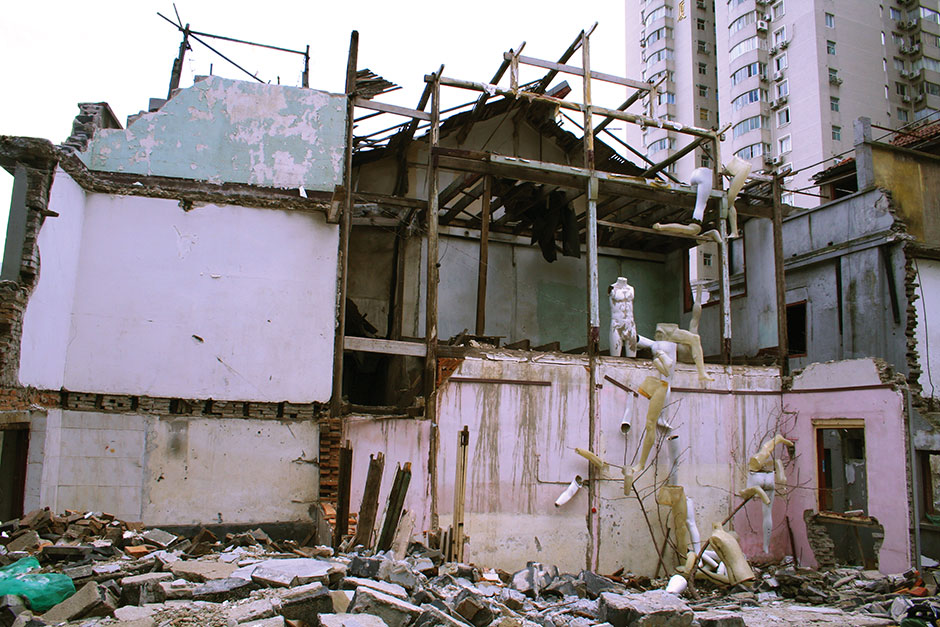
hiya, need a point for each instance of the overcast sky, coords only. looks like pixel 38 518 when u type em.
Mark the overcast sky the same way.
pixel 59 53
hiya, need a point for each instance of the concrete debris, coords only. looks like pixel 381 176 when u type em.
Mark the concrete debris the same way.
pixel 128 576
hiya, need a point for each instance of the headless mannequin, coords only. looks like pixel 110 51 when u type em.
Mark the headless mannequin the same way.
pixel 764 473
pixel 622 326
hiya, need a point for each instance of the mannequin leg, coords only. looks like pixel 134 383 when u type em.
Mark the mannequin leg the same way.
pixel 694 342
pixel 655 390
pixel 616 344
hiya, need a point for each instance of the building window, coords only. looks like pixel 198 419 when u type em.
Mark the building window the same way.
pixel 833 75
pixel 903 115
pixel 748 18
pixel 661 144
pixel 704 162
pixel 830 20
pixel 781 62
pixel 700 24
pixel 783 117
pixel 780 35
pixel 830 47
pixel 929 15
pixel 702 46
pixel 882 38
pixel 796 328
pixel 656 35
pixel 702 90
pixel 930 88
pixel 748 125
pixel 666 98
pixel 703 115
pixel 901 89
pixel 897 39
pixel 783 145
pixel 895 14
pixel 778 10
pixel 754 95
pixel 703 68
pixel 749 70
pixel 659 13
pixel 782 88
pixel 754 150
pixel 837 133
pixel 833 104
pixel 899 64
pixel 751 43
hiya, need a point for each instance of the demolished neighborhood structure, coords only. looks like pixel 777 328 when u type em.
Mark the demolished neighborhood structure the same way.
pixel 233 311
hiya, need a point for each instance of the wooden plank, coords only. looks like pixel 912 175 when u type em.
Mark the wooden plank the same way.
pixel 477 110
pixel 573 69
pixel 388 347
pixel 467 200
pixel 550 76
pixel 390 108
pixel 483 265
pixel 431 300
pixel 498 381
pixel 370 501
pixel 551 347
pixel 396 502
pixel 780 281
pixel 342 499
pixel 460 493
pixel 522 345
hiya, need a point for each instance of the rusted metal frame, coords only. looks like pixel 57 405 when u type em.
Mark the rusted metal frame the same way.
pixel 482 267
pixel 574 106
pixel 430 330
pixel 594 323
pixel 576 71
pixel 370 501
pixel 477 110
pixel 546 80
pixel 345 226
pixel 780 281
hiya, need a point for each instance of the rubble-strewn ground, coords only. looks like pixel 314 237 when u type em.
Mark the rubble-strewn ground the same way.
pixel 127 576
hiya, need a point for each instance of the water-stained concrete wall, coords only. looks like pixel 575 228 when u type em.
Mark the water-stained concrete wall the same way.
pixel 228 131
pixel 521 454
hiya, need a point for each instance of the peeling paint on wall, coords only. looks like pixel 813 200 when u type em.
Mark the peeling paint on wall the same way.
pixel 226 131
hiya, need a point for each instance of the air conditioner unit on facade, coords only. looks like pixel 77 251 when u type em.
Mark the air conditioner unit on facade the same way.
pixel 905 74
pixel 784 44
pixel 773 51
pixel 904 49
pixel 762 26
pixel 835 80
pixel 906 99
pixel 776 160
pixel 919 98
pixel 778 75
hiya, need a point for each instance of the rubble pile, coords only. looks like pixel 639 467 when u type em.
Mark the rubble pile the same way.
pixel 128 576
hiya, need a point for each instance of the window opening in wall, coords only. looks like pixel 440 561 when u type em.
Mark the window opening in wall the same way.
pixel 780 36
pixel 781 62
pixel 830 47
pixel 783 117
pixel 778 10
pixel 843 489
pixel 903 115
pixel 796 329
pixel 14 446
pixel 930 487
pixel 783 145
pixel 837 133
pixel 703 68
pixel 833 103
pixel 830 20
pixel 700 24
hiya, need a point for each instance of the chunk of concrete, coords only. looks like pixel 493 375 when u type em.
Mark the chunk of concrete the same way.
pixel 351 620
pixel 398 572
pixel 395 612
pixel 134 589
pixel 251 611
pixel 715 618
pixel 341 600
pixel 274 621
pixel 513 599
pixel 365 566
pixel 656 607
pixel 159 537
pixel 219 590
pixel 392 589
pixel 91 600
pixel 173 590
pixel 136 612
pixel 306 602
pixel 473 608
pixel 288 572
pixel 202 571
pixel 435 617
pixel 28 541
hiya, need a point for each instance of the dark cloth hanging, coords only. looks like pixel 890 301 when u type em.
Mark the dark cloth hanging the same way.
pixel 546 217
pixel 570 237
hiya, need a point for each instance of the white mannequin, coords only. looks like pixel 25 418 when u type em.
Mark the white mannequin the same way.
pixel 622 325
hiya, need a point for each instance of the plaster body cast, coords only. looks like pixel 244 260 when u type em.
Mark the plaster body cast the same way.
pixel 623 335
pixel 764 473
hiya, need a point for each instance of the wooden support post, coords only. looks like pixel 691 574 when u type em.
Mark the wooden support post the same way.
pixel 593 326
pixel 780 279
pixel 484 255
pixel 430 325
pixel 724 279
pixel 396 502
pixel 460 493
pixel 342 497
pixel 345 225
pixel 370 501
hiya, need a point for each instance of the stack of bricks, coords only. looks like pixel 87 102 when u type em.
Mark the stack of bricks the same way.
pixel 331 441
pixel 123 403
pixel 12 306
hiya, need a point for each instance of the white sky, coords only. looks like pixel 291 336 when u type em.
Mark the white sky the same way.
pixel 59 53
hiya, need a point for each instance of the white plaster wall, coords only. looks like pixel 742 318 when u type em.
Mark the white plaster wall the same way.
pixel 175 471
pixel 222 302
pixel 48 313
pixel 229 470
pixel 927 332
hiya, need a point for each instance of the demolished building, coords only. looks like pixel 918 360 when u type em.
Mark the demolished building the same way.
pixel 201 309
